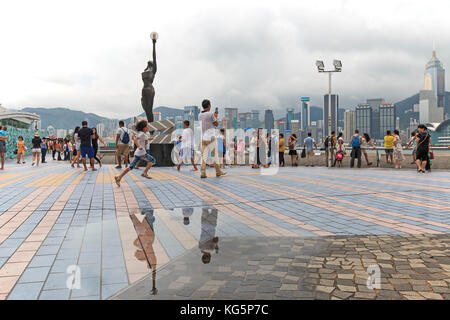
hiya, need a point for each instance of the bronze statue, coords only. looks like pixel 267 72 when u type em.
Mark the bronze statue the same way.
pixel 148 92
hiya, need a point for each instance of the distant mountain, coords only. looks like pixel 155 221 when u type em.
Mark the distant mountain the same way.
pixel 166 112
pixel 405 110
pixel 64 118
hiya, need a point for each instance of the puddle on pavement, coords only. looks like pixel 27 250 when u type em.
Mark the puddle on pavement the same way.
pixel 221 245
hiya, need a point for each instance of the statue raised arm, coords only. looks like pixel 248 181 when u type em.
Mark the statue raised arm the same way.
pixel 148 91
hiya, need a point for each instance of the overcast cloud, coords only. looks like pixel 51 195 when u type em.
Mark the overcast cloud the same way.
pixel 88 55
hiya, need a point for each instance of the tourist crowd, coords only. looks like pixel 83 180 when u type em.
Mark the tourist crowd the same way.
pixel 216 150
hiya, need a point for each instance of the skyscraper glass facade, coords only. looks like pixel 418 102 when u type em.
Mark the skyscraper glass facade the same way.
pixel 289 117
pixel 268 119
pixel 364 119
pixel 387 119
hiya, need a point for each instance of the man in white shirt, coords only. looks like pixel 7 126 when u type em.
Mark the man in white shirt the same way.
pixel 187 145
pixel 209 142
pixel 122 147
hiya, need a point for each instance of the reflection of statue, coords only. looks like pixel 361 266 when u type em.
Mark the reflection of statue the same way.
pixel 144 243
pixel 148 92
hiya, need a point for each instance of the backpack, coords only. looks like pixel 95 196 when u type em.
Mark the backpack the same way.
pixel 126 137
pixel 355 142
pixel 327 141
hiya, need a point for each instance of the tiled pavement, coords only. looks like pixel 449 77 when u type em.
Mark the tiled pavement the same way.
pixel 55 217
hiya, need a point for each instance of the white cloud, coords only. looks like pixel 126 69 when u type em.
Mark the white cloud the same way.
pixel 88 55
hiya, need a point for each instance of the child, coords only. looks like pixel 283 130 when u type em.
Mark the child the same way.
pixel 140 154
pixel 187 145
pixel 20 150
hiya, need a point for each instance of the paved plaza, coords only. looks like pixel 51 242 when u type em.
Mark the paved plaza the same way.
pixel 303 233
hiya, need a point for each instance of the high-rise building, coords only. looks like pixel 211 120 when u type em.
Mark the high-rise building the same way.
pixel 375 127
pixel 334 113
pixel 156 116
pixel 289 117
pixel 179 122
pixel 256 123
pixel 349 124
pixel 387 118
pixel 305 113
pixel 428 109
pixel 282 127
pixel 232 114
pixel 268 119
pixel 226 123
pixel 295 127
pixel 435 79
pixel 191 113
pixel 364 119
pixel 245 120
pixel 101 130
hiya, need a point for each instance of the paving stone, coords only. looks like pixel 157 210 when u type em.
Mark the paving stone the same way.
pixel 430 295
pixel 341 294
pixel 346 288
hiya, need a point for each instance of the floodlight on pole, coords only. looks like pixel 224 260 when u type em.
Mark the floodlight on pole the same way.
pixel 320 66
pixel 337 65
pixel 337 68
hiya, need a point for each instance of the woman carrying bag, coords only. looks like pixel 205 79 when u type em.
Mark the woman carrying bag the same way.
pixel 340 153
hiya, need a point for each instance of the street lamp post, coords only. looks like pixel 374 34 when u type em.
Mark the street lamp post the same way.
pixel 337 68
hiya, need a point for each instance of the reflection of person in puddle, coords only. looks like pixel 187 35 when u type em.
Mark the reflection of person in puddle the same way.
pixel 208 240
pixel 144 243
pixel 187 213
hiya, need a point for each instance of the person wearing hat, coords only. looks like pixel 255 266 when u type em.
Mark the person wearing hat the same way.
pixel 36 150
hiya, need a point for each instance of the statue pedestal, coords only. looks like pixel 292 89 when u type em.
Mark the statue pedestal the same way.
pixel 162 154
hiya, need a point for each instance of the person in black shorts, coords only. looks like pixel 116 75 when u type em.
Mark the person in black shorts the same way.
pixel 422 149
pixel 86 135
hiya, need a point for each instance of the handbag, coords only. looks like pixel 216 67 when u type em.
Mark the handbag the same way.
pixel 431 154
pixel 303 155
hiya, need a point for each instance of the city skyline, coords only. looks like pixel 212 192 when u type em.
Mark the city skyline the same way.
pixel 259 55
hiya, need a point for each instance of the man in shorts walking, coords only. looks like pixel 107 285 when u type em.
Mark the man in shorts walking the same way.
pixel 122 147
pixel 86 134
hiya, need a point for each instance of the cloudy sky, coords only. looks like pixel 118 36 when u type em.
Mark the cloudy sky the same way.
pixel 88 55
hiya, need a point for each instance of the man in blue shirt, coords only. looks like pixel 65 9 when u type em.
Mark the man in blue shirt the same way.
pixel 356 150
pixel 44 150
pixel 308 145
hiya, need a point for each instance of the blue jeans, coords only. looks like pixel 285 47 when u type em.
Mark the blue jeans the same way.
pixel 147 157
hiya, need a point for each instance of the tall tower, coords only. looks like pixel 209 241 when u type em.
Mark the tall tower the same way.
pixel 435 79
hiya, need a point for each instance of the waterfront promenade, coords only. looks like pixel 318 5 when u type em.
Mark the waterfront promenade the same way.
pixel 302 233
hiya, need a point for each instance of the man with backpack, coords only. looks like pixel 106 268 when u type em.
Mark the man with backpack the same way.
pixel 122 147
pixel 356 150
